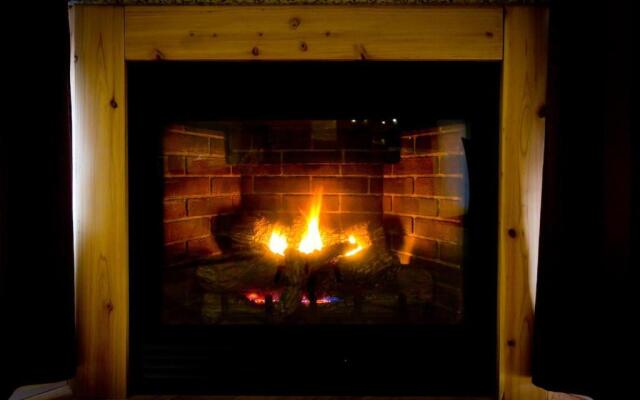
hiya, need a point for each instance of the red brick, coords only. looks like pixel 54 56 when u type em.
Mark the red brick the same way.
pixel 376 184
pixel 174 187
pixel 398 186
pixel 225 185
pixel 341 185
pixel 452 164
pixel 396 224
pixel 311 169
pixel 426 144
pixel 174 165
pixel 209 205
pixel 349 219
pixel 174 209
pixel 440 143
pixel 175 252
pixel 246 184
pixel 451 253
pixel 415 166
pixel 174 142
pixel 407 145
pixel 213 133
pixel 387 169
pixel 296 203
pixel 451 209
pixel 186 229
pixel 261 202
pixel 257 169
pixel 437 186
pixel 362 169
pixel 206 246
pixel 297 184
pixel 255 157
pixel 415 206
pixel 386 204
pixel 207 166
pixel 330 221
pixel 361 203
pixel 217 146
pixel 440 230
pixel 416 246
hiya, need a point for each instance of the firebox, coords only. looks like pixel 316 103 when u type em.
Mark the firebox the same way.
pixel 313 228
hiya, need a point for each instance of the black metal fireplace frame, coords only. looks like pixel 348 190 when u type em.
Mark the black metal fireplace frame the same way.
pixel 296 360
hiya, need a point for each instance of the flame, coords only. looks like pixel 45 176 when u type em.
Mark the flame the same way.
pixel 352 239
pixel 311 239
pixel 278 241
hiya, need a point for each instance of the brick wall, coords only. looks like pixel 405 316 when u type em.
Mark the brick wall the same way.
pixel 203 192
pixel 420 200
pixel 424 206
pixel 199 187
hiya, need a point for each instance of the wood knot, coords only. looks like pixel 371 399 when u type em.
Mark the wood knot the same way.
pixel 109 306
pixel 158 55
pixel 512 232
pixel 294 22
pixel 113 103
pixel 75 58
pixel 303 46
pixel 542 111
pixel 511 343
pixel 488 34
pixel 327 33
pixel 255 51
pixel 260 34
pixel 362 52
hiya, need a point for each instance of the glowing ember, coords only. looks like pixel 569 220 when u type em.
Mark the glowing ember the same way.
pixel 321 300
pixel 278 241
pixel 311 239
pixel 255 298
pixel 352 239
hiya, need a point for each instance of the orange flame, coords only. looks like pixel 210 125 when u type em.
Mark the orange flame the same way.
pixel 278 241
pixel 312 239
pixel 357 249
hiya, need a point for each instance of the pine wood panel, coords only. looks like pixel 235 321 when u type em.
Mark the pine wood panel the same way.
pixel 313 33
pixel 522 150
pixel 100 200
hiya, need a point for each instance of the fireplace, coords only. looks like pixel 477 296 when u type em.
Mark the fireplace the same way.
pixel 313 221
pixel 297 220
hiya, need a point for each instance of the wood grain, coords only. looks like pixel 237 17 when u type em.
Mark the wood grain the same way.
pixel 100 200
pixel 521 159
pixel 313 33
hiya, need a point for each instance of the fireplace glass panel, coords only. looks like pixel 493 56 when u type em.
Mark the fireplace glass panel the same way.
pixel 348 221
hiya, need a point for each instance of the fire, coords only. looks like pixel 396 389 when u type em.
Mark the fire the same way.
pixel 278 241
pixel 352 240
pixel 312 239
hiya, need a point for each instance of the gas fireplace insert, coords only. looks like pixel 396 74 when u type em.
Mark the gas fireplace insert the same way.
pixel 313 227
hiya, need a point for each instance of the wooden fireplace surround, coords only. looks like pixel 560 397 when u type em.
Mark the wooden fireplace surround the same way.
pixel 105 37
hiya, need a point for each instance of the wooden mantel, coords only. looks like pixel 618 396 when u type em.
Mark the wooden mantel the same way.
pixel 104 37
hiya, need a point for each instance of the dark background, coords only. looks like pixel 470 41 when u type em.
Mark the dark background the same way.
pixel 589 226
